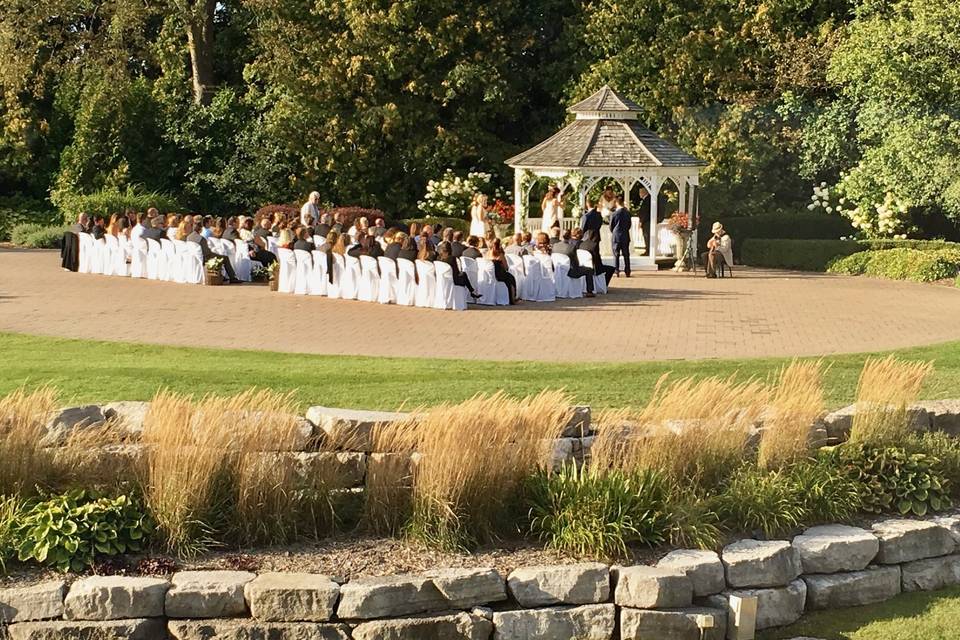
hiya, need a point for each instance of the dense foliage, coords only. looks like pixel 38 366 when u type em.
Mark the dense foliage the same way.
pixel 226 106
pixel 922 260
pixel 902 264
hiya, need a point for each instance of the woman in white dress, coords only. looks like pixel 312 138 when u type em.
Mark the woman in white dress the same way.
pixel 552 209
pixel 608 203
pixel 478 210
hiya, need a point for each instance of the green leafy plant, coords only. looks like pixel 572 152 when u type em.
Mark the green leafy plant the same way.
pixel 945 448
pixel 902 264
pixel 588 512
pixel 760 500
pixel 69 531
pixel 693 522
pixel 825 493
pixel 9 511
pixel 37 236
pixel 893 479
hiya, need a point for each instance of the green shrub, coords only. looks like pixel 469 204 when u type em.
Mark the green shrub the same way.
pixel 760 500
pixel 802 255
pixel 69 531
pixel 892 479
pixel 9 510
pixel 825 492
pixel 37 236
pixel 587 512
pixel 110 201
pixel 456 223
pixel 798 226
pixel 903 264
pixel 15 211
pixel 852 265
pixel 693 522
pixel 946 449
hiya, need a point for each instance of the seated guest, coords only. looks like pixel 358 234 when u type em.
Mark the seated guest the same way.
pixel 338 222
pixel 501 269
pixel 408 250
pixel 327 249
pixel 304 241
pixel 426 251
pixel 489 238
pixel 340 246
pixel 139 227
pixel 589 240
pixel 437 236
pixel 196 235
pixel 516 246
pixel 472 250
pixel 155 230
pixel 207 226
pixel 719 250
pixel 285 238
pixel 220 229
pixel 122 228
pixel 184 229
pixel 98 231
pixel 543 244
pixel 82 225
pixel 173 223
pixel 112 225
pixel 566 247
pixel 414 231
pixel 528 241
pixel 323 228
pixel 366 245
pixel 554 235
pixel 262 232
pixel 393 249
pixel 374 250
pixel 457 246
pixel 447 235
pixel 379 227
pixel 245 229
pixel 460 279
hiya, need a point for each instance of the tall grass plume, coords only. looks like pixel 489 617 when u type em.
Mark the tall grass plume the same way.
pixel 796 403
pixel 886 388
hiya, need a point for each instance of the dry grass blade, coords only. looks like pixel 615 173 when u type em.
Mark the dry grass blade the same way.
pixel 796 404
pixel 886 388
pixel 695 431
pixel 23 417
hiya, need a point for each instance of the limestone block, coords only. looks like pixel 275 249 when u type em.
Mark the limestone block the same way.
pixel 542 586
pixel 874 584
pixel 115 598
pixel 760 563
pixel 834 548
pixel 292 597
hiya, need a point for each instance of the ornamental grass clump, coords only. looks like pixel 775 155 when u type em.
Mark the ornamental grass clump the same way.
pixel 796 402
pixel 695 431
pixel 473 460
pixel 213 473
pixel 24 462
pixel 886 388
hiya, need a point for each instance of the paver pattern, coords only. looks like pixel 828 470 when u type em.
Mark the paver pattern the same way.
pixel 651 316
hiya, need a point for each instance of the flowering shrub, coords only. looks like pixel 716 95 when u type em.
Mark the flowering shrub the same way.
pixel 450 196
pixel 887 219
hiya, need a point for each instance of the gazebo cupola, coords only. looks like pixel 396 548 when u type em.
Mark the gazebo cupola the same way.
pixel 605 140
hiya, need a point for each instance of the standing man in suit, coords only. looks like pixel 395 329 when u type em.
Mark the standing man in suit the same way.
pixel 591 220
pixel 620 237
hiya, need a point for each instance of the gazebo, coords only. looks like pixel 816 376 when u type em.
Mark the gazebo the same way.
pixel 606 140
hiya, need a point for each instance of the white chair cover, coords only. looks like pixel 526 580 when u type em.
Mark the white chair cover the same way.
pixel 350 281
pixel 369 288
pixel 586 259
pixel 548 289
pixel 303 272
pixel 192 269
pixel 516 269
pixel 124 247
pixel 406 283
pixel 287 276
pixel 567 287
pixel 170 268
pixel 469 267
pixel 317 283
pixel 154 259
pixel 491 292
pixel 110 254
pixel 319 241
pixel 86 250
pixel 98 256
pixel 448 295
pixel 333 289
pixel 426 285
pixel 272 245
pixel 138 258
pixel 388 281
pixel 242 265
pixel 534 279
pixel 182 261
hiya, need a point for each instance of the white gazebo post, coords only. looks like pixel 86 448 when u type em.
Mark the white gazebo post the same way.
pixel 519 202
pixel 655 183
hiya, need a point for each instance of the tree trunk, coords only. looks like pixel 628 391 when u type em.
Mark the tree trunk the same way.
pixel 200 43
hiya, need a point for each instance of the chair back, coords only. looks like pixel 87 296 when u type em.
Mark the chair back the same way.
pixel 469 267
pixel 426 284
pixel 303 271
pixel 406 289
pixel 447 295
pixel 286 278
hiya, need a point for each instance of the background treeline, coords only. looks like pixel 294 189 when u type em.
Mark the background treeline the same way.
pixel 225 106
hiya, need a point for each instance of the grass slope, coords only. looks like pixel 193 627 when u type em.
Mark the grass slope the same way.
pixel 91 371
pixel 910 616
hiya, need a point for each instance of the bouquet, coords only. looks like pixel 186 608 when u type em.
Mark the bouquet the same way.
pixel 500 212
pixel 214 265
pixel 679 222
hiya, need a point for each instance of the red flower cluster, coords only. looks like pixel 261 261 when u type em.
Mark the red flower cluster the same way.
pixel 502 210
pixel 680 221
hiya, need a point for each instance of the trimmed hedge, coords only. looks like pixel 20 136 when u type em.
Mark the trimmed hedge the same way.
pixel 902 264
pixel 795 226
pixel 37 236
pixel 802 255
pixel 15 210
pixel 458 224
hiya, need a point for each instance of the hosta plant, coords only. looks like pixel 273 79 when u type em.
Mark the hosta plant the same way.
pixel 69 531
pixel 895 480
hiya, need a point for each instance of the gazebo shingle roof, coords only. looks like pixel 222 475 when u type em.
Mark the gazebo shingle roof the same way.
pixel 606 99
pixel 604 143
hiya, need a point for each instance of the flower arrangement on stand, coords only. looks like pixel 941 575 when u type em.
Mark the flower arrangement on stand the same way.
pixel 679 224
pixel 500 215
pixel 214 270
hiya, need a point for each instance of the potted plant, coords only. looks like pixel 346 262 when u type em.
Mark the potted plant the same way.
pixel 273 271
pixel 214 269
pixel 260 274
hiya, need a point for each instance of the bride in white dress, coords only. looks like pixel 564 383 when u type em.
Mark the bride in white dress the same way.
pixel 552 209
pixel 478 210
pixel 608 202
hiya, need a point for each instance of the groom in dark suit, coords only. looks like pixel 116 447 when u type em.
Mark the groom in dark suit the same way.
pixel 620 235
pixel 591 220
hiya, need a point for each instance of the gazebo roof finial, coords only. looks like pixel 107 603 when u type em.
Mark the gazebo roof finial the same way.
pixel 605 100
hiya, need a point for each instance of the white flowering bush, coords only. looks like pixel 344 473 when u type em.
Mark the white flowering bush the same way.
pixel 888 219
pixel 450 196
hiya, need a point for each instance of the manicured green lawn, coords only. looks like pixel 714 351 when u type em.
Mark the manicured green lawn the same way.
pixel 911 616
pixel 88 371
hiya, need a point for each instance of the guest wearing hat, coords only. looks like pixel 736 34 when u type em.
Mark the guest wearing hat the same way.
pixel 719 250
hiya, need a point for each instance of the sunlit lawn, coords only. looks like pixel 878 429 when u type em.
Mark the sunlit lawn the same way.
pixel 89 371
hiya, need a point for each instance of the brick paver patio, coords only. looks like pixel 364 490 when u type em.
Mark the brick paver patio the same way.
pixel 652 316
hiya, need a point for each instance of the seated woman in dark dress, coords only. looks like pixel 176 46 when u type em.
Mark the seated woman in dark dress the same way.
pixel 499 258
pixel 445 254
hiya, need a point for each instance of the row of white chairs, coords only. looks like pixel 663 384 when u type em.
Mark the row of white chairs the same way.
pixel 164 259
pixel 428 284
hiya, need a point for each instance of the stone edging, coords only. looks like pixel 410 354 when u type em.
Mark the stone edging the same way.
pixel 689 594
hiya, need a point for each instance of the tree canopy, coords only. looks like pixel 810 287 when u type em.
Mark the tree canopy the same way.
pixel 230 105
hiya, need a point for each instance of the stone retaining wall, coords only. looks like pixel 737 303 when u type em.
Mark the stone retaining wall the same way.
pixel 687 595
